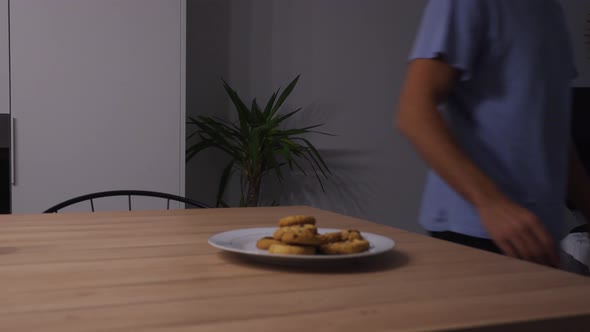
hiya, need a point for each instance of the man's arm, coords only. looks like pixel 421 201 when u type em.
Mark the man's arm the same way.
pixel 579 185
pixel 514 229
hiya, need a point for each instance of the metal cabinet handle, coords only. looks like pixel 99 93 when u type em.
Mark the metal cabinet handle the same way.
pixel 13 152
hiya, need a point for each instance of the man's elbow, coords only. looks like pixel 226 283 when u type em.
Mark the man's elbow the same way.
pixel 403 122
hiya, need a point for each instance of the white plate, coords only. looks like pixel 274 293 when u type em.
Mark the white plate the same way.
pixel 243 241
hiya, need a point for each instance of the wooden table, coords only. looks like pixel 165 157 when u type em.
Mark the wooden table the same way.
pixel 154 271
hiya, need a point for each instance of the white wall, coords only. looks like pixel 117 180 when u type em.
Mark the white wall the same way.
pixel 351 54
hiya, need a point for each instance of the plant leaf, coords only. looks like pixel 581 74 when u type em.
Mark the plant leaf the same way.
pixel 226 175
pixel 220 136
pixel 241 108
pixel 284 95
pixel 256 113
pixel 286 116
pixel 257 143
pixel 270 104
pixel 313 167
pixel 196 148
pixel 315 152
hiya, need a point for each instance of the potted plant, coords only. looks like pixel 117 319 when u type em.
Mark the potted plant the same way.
pixel 257 143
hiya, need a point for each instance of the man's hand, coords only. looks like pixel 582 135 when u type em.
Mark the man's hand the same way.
pixel 515 230
pixel 518 232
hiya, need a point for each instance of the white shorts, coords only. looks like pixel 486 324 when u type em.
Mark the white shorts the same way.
pixel 575 255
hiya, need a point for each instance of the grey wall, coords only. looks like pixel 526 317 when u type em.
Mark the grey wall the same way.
pixel 351 54
pixel 207 29
pixel 577 13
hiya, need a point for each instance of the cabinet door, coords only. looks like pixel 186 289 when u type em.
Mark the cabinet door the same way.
pixel 97 97
pixel 5 120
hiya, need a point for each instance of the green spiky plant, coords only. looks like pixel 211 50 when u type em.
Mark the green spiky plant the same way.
pixel 257 144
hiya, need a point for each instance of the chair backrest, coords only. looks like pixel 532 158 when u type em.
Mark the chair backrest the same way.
pixel 129 194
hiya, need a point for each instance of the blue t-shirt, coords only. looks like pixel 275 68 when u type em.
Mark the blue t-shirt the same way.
pixel 510 110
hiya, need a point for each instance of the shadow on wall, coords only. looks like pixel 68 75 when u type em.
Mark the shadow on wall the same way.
pixel 344 188
pixel 362 178
pixel 207 54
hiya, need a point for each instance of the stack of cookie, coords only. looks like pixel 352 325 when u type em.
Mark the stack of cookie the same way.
pixel 298 235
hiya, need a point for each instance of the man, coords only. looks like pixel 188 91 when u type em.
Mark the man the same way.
pixel 499 147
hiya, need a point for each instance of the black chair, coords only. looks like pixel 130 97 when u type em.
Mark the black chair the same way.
pixel 129 194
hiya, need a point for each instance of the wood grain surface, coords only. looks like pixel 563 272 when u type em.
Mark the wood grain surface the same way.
pixel 154 271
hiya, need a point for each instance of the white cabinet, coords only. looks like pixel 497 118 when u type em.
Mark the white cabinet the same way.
pixel 97 94
pixel 4 59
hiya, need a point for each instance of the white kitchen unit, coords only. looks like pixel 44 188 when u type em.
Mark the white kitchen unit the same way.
pixel 5 120
pixel 97 91
pixel 4 59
